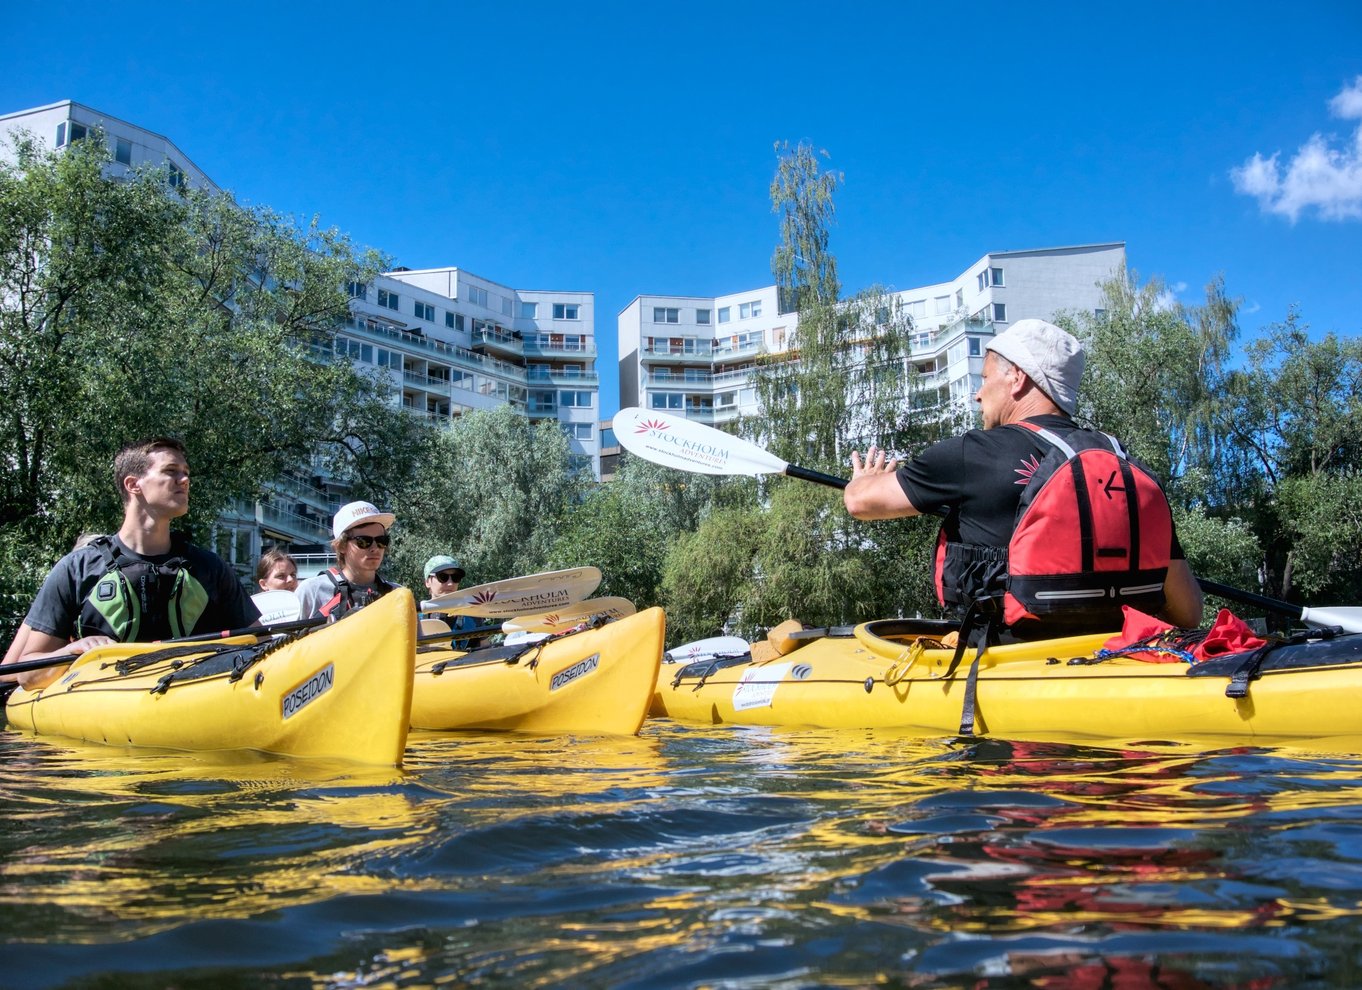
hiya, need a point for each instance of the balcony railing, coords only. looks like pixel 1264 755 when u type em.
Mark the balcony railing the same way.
pixel 560 376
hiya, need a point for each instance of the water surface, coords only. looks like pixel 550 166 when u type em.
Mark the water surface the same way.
pixel 690 856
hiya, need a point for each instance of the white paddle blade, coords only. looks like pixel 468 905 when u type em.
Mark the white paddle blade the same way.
pixel 675 442
pixel 435 627
pixel 1348 617
pixel 519 596
pixel 277 606
pixel 557 620
pixel 703 649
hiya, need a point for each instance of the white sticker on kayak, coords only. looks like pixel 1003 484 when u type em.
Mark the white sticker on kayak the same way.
pixel 310 690
pixel 757 688
pixel 579 669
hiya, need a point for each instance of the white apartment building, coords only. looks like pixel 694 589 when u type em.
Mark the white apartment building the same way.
pixel 447 341
pixel 695 355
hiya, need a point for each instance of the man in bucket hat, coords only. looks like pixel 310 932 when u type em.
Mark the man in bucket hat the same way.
pixel 1030 383
pixel 360 541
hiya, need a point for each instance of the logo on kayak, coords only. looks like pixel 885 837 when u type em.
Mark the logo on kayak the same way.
pixel 800 672
pixel 309 691
pixel 483 597
pixel 652 426
pixel 578 670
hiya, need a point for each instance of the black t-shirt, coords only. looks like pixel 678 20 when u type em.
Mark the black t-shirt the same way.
pixel 976 480
pixel 59 601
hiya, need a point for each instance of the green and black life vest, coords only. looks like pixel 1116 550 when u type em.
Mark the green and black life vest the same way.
pixel 136 600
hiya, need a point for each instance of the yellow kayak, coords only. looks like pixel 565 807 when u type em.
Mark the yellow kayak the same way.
pixel 884 675
pixel 342 691
pixel 594 681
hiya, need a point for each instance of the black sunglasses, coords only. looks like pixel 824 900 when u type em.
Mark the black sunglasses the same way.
pixel 365 542
pixel 444 576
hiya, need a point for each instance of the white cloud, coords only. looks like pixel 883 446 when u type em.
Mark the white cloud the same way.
pixel 1318 176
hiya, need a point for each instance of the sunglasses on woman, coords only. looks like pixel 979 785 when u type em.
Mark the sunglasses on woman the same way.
pixel 444 577
pixel 365 542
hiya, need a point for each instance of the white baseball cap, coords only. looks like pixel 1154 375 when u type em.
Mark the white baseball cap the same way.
pixel 1050 357
pixel 359 512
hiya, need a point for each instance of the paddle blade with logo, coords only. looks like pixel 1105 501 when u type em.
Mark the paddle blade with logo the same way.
pixel 676 442
pixel 521 595
pixel 558 620
pixel 276 606
pixel 706 649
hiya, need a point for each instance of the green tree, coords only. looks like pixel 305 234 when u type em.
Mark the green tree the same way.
pixel 131 307
pixel 493 488
pixel 628 527
pixel 1293 416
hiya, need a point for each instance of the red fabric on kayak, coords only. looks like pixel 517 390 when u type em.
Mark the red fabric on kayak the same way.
pixel 1228 634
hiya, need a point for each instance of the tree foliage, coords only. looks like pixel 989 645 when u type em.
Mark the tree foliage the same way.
pixel 493 488
pixel 131 308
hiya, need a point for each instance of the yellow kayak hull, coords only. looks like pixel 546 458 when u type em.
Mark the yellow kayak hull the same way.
pixel 342 691
pixel 869 680
pixel 595 681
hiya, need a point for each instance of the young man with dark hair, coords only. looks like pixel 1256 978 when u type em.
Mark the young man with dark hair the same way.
pixel 141 584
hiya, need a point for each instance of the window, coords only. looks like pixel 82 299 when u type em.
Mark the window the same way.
pixel 176 174
pixel 723 314
pixel 506 306
pixel 565 311
pixel 666 314
pixel 748 310
pixel 999 312
pixel 943 305
pixel 997 276
pixel 72 130
pixel 577 431
pixel 478 297
pixel 449 320
pixel 982 279
pixel 702 317
pixel 575 400
pixel 389 359
pixel 1100 313
pixel 917 309
pixel 357 290
pixel 388 300
pixel 974 349
pixel 354 350
pixel 959 298
pixel 123 151
pixel 529 311
pixel 666 400
pixel 425 311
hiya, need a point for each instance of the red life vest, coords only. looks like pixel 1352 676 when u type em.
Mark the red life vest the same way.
pixel 1093 532
pixel 346 597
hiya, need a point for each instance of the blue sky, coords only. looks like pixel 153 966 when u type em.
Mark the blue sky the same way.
pixel 627 148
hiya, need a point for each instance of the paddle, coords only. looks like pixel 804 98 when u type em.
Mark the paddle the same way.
pixel 277 605
pixel 688 446
pixel 1348 617
pixel 557 620
pixel 43 662
pixel 519 596
pixel 704 649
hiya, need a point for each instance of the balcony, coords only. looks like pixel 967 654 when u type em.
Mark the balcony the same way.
pixel 578 345
pixel 439 385
pixel 511 342
pixel 561 376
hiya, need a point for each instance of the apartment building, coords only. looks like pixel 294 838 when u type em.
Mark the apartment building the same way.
pixel 696 355
pixel 446 341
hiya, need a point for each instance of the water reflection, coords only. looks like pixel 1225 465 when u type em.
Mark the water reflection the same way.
pixel 689 856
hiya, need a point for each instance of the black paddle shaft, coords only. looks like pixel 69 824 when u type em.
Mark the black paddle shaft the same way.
pixel 1249 598
pixel 807 474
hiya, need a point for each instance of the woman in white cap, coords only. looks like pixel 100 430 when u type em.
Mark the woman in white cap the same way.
pixel 360 541
pixel 976 481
